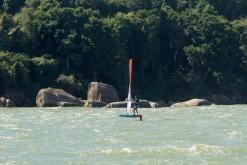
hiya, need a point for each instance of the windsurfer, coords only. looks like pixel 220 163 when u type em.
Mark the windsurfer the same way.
pixel 135 105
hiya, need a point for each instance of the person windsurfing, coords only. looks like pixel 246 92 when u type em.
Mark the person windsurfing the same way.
pixel 135 102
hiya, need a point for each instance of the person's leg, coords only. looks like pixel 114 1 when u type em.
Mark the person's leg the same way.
pixel 134 110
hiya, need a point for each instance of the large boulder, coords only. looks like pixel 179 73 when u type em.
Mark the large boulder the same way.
pixel 51 97
pixel 123 104
pixel 154 104
pixel 69 104
pixel 10 103
pixel 157 104
pixel 145 104
pixel 6 102
pixel 19 98
pixel 119 104
pixel 102 92
pixel 96 104
pixel 192 102
pixel 2 102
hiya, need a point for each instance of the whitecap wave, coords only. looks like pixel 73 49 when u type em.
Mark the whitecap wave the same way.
pixel 128 150
pixel 234 134
pixel 225 116
pixel 8 125
pixel 125 150
pixel 108 151
pixel 204 149
pixel 6 137
pixel 87 126
pixel 194 150
pixel 115 151
pixel 153 161
pixel 96 130
pixel 20 129
pixel 110 140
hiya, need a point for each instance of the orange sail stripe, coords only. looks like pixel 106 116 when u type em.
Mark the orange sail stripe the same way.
pixel 130 70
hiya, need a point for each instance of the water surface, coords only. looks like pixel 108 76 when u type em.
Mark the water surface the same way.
pixel 62 136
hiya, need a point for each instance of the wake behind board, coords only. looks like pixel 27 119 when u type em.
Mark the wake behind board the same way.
pixel 131 116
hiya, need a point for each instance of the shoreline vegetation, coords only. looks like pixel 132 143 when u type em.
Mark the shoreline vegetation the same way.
pixel 99 95
pixel 181 49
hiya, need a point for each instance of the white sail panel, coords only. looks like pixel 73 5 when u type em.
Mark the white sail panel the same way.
pixel 129 92
pixel 129 100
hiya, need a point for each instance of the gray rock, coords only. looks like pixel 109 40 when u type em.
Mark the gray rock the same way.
pixel 2 102
pixel 68 104
pixel 119 104
pixel 51 97
pixel 19 98
pixel 123 104
pixel 161 103
pixel 102 92
pixel 10 103
pixel 192 102
pixel 97 104
pixel 154 104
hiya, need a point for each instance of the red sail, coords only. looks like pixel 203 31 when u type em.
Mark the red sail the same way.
pixel 130 70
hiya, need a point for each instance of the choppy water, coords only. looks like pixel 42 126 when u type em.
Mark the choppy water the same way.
pixel 64 136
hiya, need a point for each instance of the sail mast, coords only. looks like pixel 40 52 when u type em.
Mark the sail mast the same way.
pixel 129 92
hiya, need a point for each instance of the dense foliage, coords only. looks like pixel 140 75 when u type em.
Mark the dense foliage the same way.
pixel 181 48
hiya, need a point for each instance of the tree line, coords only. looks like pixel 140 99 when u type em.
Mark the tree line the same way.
pixel 180 48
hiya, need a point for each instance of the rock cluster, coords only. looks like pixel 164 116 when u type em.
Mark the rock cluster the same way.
pixel 101 92
pixel 6 102
pixel 192 102
pixel 142 104
pixel 98 95
pixel 51 97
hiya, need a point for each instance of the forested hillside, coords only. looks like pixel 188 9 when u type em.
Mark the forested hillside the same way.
pixel 180 48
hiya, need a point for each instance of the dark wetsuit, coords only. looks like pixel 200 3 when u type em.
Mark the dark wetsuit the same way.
pixel 136 105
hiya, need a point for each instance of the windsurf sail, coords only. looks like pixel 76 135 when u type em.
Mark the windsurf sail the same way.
pixel 129 92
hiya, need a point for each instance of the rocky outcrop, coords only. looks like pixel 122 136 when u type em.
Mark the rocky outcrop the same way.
pixel 10 103
pixel 19 98
pixel 68 104
pixel 142 104
pixel 192 102
pixel 102 93
pixel 96 104
pixel 6 102
pixel 51 97
pixel 2 102
pixel 154 104
pixel 161 103
pixel 119 104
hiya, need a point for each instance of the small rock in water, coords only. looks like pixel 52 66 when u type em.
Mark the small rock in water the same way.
pixel 10 103
pixel 192 102
pixel 2 102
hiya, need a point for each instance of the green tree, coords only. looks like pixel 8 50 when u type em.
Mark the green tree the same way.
pixel 231 9
pixel 12 6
